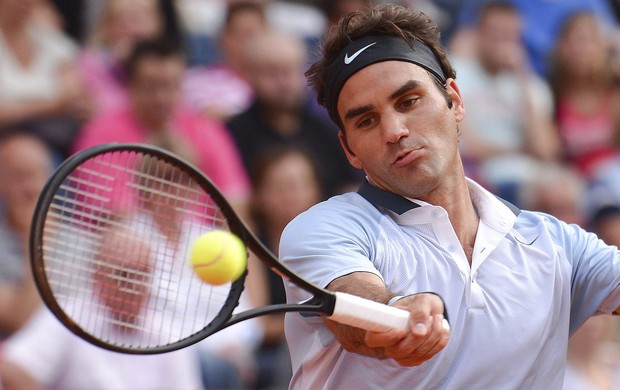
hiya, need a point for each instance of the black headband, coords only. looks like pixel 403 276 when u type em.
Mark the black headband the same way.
pixel 366 51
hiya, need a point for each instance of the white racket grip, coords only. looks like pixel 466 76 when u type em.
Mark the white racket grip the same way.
pixel 368 315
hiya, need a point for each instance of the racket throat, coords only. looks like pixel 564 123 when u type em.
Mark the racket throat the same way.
pixel 317 306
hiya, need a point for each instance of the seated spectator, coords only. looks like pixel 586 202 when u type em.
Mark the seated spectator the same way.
pixel 605 222
pixel 542 20
pixel 594 350
pixel 542 194
pixel 594 356
pixel 25 165
pixel 119 26
pixel 44 354
pixel 508 130
pixel 586 96
pixel 281 113
pixel 286 182
pixel 154 73
pixel 220 90
pixel 40 88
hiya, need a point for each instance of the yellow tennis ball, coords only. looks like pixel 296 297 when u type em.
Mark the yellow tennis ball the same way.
pixel 218 257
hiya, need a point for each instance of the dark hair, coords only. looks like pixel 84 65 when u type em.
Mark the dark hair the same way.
pixel 385 19
pixel 602 214
pixel 158 48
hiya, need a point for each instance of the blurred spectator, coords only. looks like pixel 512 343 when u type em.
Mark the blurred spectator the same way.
pixel 594 356
pixel 542 20
pixel 154 73
pixel 44 354
pixel 286 182
pixel 220 90
pixel 281 114
pixel 605 222
pixel 25 165
pixel 594 350
pixel 587 97
pixel 508 129
pixel 204 20
pixel 543 193
pixel 120 25
pixel 40 89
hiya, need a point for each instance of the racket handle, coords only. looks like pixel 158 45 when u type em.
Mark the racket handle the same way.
pixel 369 315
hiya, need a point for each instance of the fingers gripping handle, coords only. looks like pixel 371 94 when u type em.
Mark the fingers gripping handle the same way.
pixel 368 315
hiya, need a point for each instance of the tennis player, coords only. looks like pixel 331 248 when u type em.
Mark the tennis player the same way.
pixel 516 284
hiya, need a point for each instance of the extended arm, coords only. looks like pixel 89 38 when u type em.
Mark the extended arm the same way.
pixel 426 336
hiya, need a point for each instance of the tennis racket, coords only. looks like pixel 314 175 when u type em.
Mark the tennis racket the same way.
pixel 110 242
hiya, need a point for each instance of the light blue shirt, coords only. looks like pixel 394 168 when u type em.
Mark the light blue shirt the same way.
pixel 532 282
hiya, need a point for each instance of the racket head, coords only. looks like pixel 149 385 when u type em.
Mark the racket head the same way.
pixel 110 241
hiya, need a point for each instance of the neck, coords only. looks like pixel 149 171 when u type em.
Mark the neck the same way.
pixel 457 202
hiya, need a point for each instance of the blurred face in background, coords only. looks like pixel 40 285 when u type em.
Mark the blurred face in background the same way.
pixel 243 26
pixel 499 40
pixel 25 165
pixel 274 65
pixel 125 22
pixel 583 46
pixel 288 185
pixel 155 89
pixel 123 275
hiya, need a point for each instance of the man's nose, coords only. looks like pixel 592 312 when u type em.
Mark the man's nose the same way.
pixel 394 128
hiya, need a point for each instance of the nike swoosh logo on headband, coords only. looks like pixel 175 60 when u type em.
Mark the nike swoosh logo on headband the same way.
pixel 348 60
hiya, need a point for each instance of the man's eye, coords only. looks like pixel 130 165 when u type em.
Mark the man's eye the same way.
pixel 366 122
pixel 408 102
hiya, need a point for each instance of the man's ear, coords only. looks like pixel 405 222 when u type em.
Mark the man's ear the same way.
pixel 353 160
pixel 457 102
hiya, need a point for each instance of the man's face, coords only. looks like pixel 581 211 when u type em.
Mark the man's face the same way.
pixel 399 128
pixel 155 89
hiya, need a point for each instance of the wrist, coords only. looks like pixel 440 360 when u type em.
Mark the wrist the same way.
pixel 394 299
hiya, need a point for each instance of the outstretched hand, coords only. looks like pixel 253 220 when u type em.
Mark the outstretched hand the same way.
pixel 428 332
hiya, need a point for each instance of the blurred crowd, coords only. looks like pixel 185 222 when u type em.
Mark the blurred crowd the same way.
pixel 221 82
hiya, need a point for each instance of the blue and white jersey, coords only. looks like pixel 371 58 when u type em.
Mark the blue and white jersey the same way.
pixel 532 282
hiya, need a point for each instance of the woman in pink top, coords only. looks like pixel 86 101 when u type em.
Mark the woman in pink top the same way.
pixel 154 115
pixel 587 98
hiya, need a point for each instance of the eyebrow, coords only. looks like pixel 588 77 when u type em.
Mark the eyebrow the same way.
pixel 354 112
pixel 408 86
pixel 357 111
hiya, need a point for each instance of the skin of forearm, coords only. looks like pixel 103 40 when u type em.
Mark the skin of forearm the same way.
pixel 367 286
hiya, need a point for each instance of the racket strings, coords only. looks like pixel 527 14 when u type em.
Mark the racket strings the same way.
pixel 115 245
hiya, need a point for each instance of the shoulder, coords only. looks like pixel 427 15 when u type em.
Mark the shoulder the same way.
pixel 348 216
pixel 571 239
pixel 113 126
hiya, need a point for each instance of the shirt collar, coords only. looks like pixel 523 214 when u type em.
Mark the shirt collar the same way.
pixel 495 212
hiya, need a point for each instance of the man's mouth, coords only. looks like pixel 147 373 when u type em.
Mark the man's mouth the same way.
pixel 407 157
